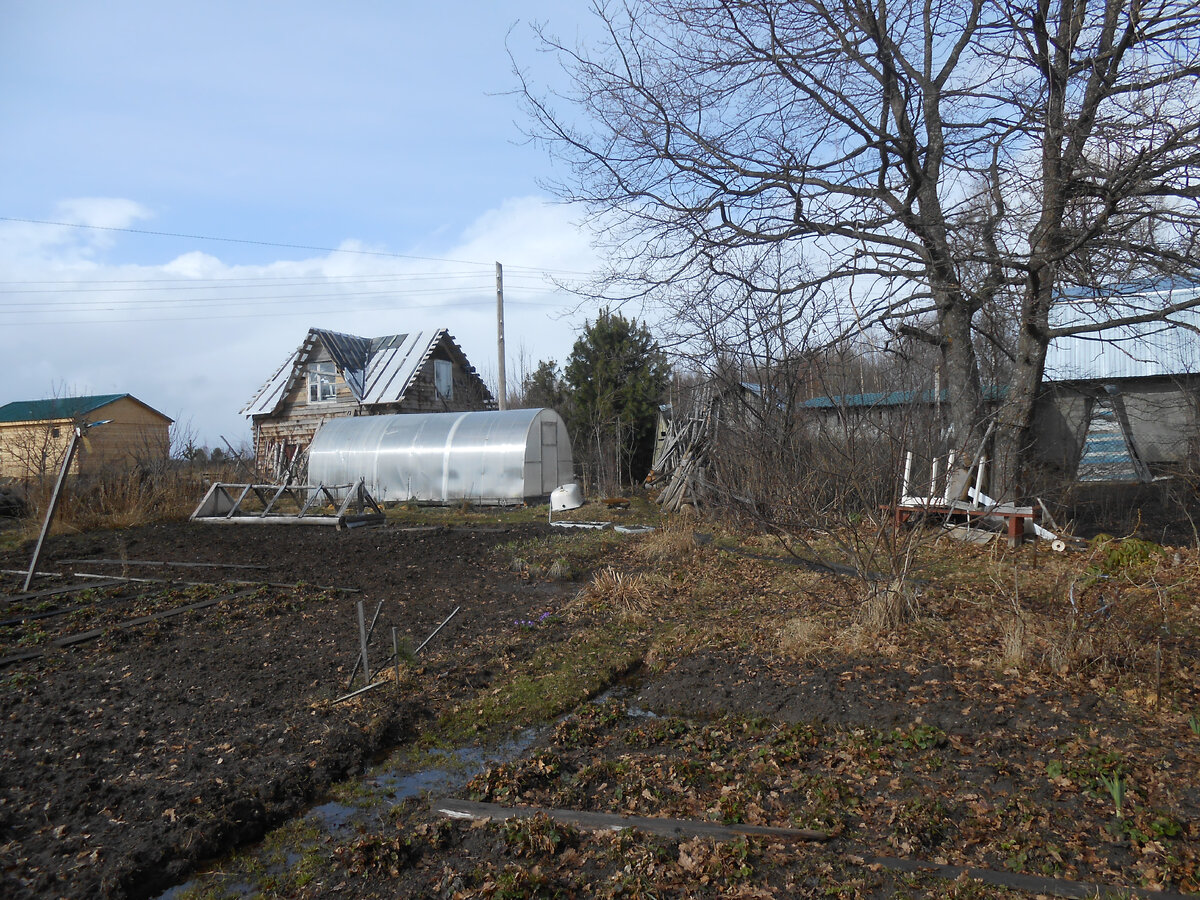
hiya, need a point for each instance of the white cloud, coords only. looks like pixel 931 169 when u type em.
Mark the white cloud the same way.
pixel 102 212
pixel 70 237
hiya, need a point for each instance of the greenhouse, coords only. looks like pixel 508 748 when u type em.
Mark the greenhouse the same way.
pixel 488 457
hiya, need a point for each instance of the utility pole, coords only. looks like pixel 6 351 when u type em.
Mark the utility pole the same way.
pixel 503 398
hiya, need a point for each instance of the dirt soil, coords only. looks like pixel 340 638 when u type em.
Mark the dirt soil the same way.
pixel 130 760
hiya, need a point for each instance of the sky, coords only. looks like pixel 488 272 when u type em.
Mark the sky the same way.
pixel 226 175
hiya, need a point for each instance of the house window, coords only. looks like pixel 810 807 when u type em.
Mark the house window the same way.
pixel 322 382
pixel 443 378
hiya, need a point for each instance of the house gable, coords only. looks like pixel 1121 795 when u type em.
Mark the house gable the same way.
pixel 376 371
pixel 332 374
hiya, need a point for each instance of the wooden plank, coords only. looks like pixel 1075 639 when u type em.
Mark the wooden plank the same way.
pixel 468 809
pixel 54 613
pixel 83 636
pixel 227 581
pixel 159 562
pixel 69 589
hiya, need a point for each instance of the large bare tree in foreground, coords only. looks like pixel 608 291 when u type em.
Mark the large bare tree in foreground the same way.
pixel 946 169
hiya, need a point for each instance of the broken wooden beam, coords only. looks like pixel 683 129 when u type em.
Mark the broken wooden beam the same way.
pixel 595 821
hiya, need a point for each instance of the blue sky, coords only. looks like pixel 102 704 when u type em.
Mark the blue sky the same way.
pixel 379 128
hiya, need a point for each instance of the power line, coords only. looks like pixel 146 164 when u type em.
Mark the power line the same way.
pixel 274 314
pixel 259 243
pixel 117 286
pixel 216 303
pixel 194 283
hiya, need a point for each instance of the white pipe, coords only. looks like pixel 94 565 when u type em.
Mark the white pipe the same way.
pixel 979 478
pixel 908 459
pixel 949 476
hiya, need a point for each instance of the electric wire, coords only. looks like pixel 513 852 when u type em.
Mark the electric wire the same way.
pixel 292 310
pixel 263 243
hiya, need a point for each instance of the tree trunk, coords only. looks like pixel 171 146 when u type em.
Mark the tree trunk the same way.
pixel 961 368
pixel 1014 422
pixel 1014 427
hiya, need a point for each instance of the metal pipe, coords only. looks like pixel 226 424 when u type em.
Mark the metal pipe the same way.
pixel 436 630
pixel 362 639
pixel 50 509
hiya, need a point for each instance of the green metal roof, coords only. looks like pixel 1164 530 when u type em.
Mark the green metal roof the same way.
pixel 56 408
pixel 991 393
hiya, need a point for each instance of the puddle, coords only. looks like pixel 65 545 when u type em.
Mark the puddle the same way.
pixel 377 793
pixel 384 790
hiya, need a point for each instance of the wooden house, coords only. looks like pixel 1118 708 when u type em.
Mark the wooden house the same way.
pixel 333 374
pixel 34 435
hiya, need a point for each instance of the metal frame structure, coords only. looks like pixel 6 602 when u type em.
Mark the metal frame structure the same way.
pixel 352 503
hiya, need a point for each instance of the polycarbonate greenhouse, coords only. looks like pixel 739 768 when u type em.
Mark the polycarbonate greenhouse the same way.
pixel 489 457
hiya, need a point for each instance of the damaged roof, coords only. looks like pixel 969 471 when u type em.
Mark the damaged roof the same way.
pixel 377 370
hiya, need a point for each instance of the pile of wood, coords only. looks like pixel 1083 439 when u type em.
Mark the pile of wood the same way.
pixel 681 464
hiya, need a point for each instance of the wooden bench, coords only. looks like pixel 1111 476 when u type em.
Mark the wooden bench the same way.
pixel 1014 516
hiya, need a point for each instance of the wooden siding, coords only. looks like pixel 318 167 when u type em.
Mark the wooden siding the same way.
pixel 135 434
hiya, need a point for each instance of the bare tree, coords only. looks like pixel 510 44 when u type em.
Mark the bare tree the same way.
pixel 948 169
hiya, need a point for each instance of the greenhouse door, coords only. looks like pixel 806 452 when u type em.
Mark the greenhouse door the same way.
pixel 549 457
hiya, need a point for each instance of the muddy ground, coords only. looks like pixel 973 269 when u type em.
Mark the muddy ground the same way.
pixel 131 760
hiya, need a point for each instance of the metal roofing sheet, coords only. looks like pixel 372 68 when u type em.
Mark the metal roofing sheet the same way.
pixel 377 370
pixel 1130 351
pixel 54 408
pixel 991 393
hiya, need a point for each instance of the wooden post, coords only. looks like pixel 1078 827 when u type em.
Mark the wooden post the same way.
pixel 503 386
pixel 50 509
pixel 362 640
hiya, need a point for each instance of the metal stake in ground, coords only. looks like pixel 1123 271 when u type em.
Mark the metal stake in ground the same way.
pixel 362 656
pixel 362 639
pixel 396 653
pixel 436 630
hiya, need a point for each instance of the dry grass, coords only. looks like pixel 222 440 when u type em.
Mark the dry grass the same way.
pixel 630 598
pixel 885 607
pixel 674 540
pixel 1014 646
pixel 118 499
pixel 802 638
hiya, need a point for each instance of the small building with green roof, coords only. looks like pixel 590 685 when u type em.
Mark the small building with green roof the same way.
pixel 34 434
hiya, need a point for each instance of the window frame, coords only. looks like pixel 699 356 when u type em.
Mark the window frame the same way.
pixel 322 382
pixel 447 367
